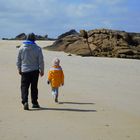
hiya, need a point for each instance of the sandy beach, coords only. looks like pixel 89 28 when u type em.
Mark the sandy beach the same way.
pixel 99 101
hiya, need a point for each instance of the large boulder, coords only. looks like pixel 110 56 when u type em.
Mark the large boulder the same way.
pixel 39 37
pixel 71 32
pixel 21 36
pixel 100 42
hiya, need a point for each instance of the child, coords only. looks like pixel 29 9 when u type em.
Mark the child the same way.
pixel 55 77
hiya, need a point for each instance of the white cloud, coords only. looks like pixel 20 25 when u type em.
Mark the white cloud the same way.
pixel 27 7
pixel 107 24
pixel 110 2
pixel 54 16
pixel 80 10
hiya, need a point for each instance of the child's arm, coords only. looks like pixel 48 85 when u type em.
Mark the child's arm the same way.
pixel 49 77
pixel 62 75
pixel 48 82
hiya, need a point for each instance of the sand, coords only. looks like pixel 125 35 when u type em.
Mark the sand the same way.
pixel 99 101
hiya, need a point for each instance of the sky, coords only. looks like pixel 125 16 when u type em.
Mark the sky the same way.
pixel 54 17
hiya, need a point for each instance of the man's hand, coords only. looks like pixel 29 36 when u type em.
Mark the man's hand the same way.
pixel 48 82
pixel 19 72
pixel 41 73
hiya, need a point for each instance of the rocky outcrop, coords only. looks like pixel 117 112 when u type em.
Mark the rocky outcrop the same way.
pixel 101 43
pixel 22 36
pixel 71 32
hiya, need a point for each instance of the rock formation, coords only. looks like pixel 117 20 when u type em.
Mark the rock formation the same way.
pixel 22 36
pixel 71 32
pixel 100 42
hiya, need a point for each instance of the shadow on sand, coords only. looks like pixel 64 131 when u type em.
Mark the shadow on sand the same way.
pixel 63 109
pixel 78 103
pixel 67 109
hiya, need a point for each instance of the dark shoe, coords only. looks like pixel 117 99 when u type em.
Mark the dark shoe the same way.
pixel 36 106
pixel 56 100
pixel 26 106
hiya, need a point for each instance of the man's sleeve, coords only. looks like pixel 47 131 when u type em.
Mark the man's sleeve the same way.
pixel 18 63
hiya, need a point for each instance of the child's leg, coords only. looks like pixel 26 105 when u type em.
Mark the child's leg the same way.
pixel 56 96
pixel 55 93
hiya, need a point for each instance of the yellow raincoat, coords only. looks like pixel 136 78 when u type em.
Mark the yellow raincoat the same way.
pixel 56 76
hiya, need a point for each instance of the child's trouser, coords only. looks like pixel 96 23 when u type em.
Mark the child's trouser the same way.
pixel 54 91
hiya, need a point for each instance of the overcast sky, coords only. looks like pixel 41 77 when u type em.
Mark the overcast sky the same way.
pixel 54 17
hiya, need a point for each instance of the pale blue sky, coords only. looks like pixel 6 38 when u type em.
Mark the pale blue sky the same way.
pixel 54 17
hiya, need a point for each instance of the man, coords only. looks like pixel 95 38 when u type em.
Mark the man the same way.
pixel 30 63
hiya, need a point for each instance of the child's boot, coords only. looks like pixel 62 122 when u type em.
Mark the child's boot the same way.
pixel 56 98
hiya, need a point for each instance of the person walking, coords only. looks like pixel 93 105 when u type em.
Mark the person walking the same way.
pixel 30 64
pixel 55 78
